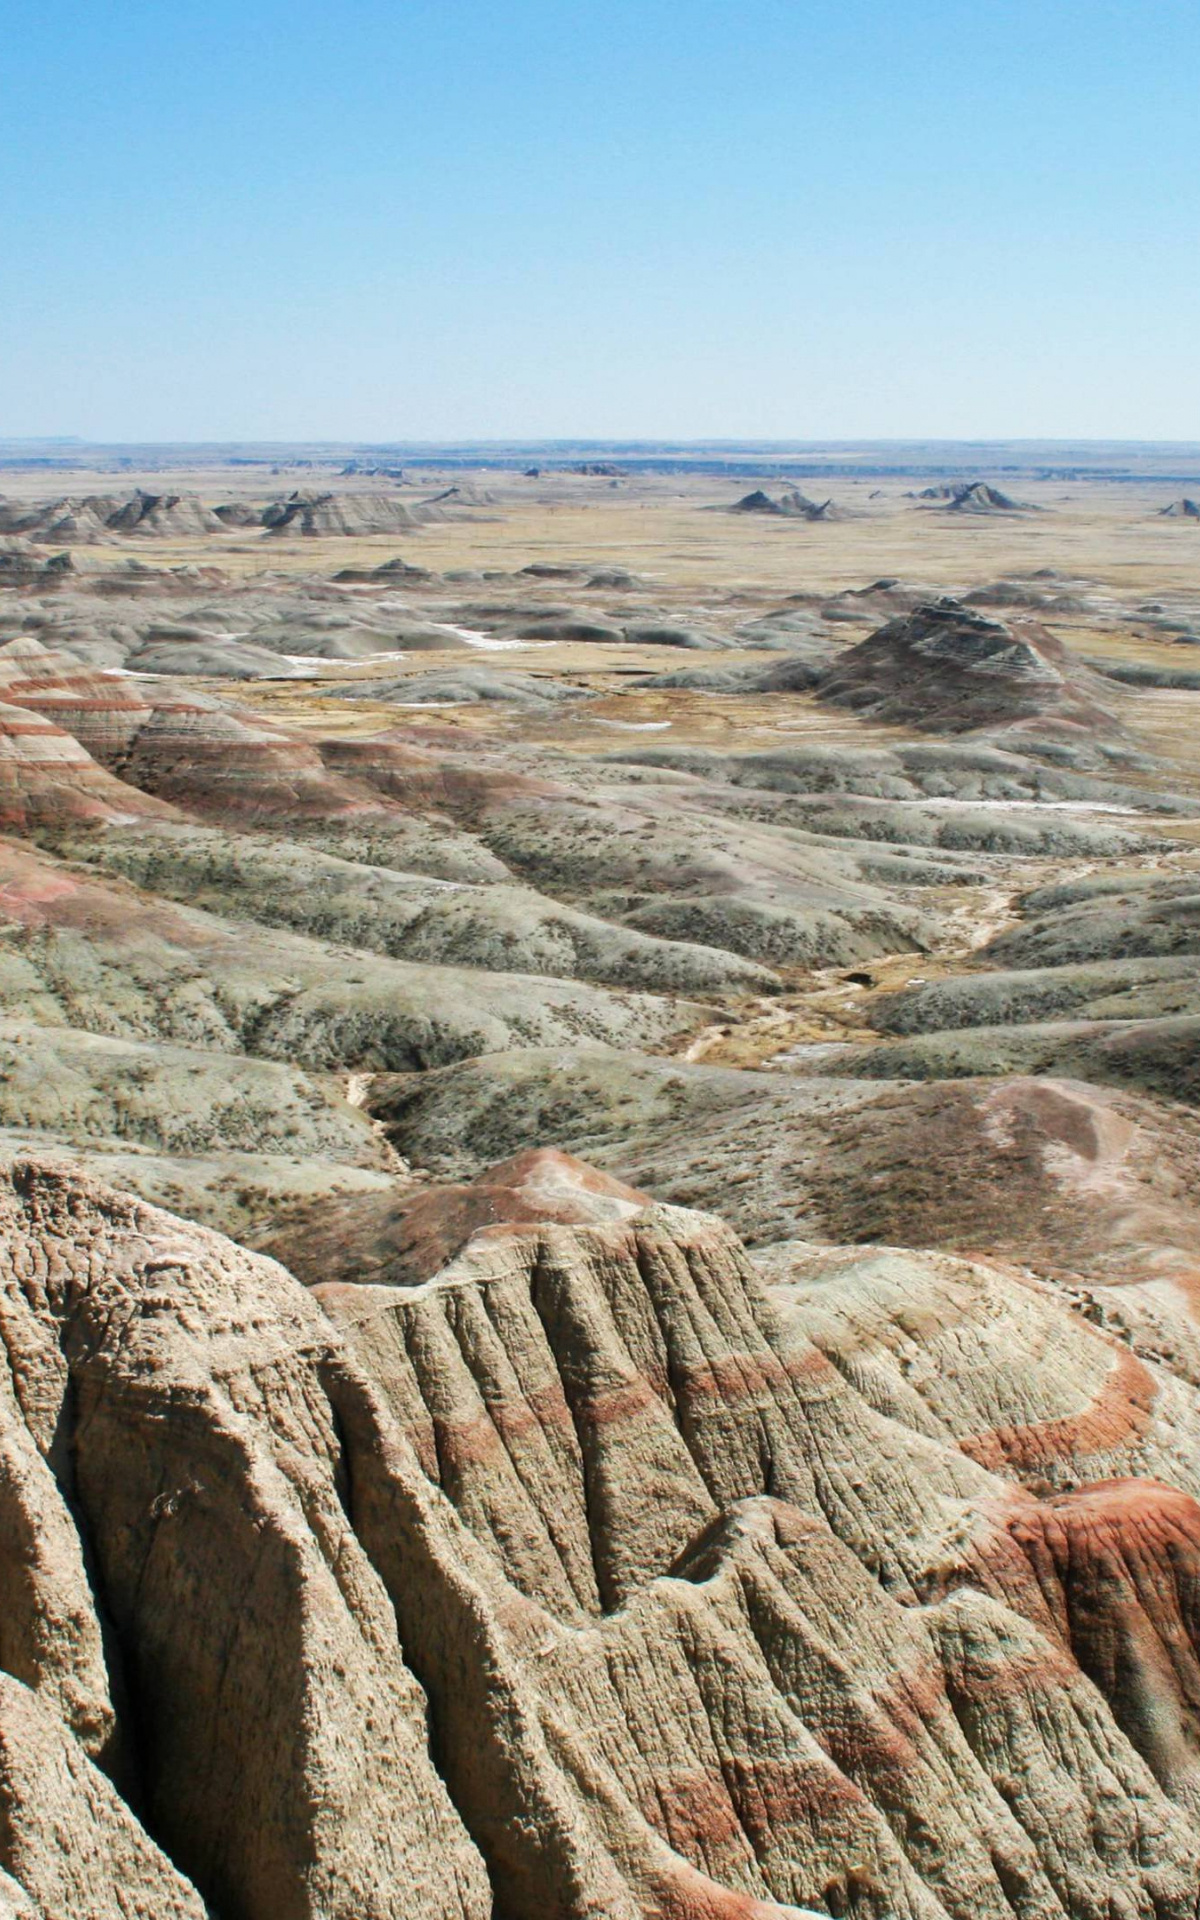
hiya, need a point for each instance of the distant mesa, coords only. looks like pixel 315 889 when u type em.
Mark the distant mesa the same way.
pixel 389 573
pixel 353 515
pixel 25 563
pixel 1022 594
pixel 614 578
pixel 972 496
pixel 332 515
pixel 96 517
pixel 163 514
pixel 371 473
pixel 186 649
pixel 64 523
pixel 460 496
pixel 668 633
pixel 793 505
pixel 76 526
pixel 1144 673
pixel 21 565
pixel 805 667
pixel 598 469
pixel 948 669
pixel 79 520
pixel 1183 509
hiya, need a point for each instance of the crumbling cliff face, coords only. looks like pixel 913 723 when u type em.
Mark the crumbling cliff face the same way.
pixel 579 1566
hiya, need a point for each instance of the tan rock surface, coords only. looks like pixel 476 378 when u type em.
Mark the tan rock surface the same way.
pixel 280 1740
pixel 69 1843
pixel 704 1393
pixel 703 1624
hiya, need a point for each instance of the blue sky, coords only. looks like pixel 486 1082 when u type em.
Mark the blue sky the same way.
pixel 452 218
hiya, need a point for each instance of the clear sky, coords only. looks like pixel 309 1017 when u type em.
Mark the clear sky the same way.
pixel 382 219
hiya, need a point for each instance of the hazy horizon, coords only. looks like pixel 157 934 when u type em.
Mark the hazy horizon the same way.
pixel 784 443
pixel 1149 461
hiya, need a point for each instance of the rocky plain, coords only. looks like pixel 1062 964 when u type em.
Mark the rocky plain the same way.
pixel 600 1190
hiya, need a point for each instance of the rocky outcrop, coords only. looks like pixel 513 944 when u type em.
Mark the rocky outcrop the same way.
pixel 69 1844
pixel 982 1356
pixel 757 502
pixel 280 1741
pixel 1118 1562
pixel 574 1577
pixel 389 573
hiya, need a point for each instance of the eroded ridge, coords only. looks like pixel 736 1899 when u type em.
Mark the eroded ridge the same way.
pixel 586 1572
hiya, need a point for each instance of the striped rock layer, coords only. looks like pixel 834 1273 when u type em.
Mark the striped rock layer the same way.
pixel 575 1570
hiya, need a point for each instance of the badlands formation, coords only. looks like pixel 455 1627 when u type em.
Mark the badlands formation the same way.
pixel 599 1084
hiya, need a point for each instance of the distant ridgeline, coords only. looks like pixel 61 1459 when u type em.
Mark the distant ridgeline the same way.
pixel 1171 462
